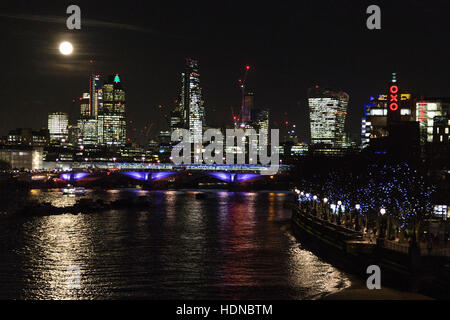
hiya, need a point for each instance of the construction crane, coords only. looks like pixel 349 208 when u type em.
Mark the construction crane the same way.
pixel 242 85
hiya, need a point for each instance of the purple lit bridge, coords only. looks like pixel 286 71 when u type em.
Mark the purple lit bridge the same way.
pixel 152 172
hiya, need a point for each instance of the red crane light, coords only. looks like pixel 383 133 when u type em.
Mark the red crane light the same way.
pixel 247 67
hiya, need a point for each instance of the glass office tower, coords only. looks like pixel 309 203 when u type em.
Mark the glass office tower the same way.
pixel 327 110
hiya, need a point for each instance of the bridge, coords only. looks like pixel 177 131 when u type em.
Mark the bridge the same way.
pixel 230 173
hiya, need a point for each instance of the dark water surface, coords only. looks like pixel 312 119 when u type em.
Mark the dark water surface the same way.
pixel 224 245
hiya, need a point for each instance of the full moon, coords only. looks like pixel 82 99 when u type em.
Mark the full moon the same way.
pixel 65 48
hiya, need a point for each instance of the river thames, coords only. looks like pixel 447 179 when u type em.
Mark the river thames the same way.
pixel 220 245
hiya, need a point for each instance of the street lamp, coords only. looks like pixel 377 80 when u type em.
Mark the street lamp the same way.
pixel 357 213
pixel 381 232
pixel 339 204
pixel 324 209
pixel 314 211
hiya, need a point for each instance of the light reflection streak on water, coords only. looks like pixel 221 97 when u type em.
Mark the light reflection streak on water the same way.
pixel 239 242
pixel 225 246
pixel 55 247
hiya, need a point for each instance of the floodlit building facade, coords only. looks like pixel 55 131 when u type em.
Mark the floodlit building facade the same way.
pixel 441 130
pixel 26 158
pixel 95 95
pixel 426 110
pixel 58 123
pixel 111 114
pixel 191 104
pixel 260 122
pixel 327 111
pixel 88 132
pixel 375 121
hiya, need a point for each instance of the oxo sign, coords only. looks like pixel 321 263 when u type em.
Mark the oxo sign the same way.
pixel 393 100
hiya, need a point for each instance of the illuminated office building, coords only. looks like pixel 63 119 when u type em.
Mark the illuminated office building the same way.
pixel 426 110
pixel 26 158
pixel 260 122
pixel 191 104
pixel 95 96
pixel 28 137
pixel 374 121
pixel 176 120
pixel 85 109
pixel 87 124
pixel 441 130
pixel 58 123
pixel 111 114
pixel 88 131
pixel 327 110
pixel 393 107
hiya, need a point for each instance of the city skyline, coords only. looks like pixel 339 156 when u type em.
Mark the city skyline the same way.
pixel 279 78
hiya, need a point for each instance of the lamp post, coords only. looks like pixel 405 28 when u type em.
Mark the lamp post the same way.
pixel 357 213
pixel 300 197
pixel 333 212
pixel 314 205
pixel 308 204
pixel 339 205
pixel 324 208
pixel 382 224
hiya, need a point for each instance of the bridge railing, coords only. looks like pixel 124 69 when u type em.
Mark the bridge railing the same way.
pixel 170 166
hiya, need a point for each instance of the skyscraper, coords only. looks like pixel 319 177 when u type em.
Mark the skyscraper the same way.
pixel 85 106
pixel 111 114
pixel 248 103
pixel 191 104
pixel 95 95
pixel 327 110
pixel 87 124
pixel 58 123
pixel 260 122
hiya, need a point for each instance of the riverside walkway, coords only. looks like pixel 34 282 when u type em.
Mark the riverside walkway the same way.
pixel 348 225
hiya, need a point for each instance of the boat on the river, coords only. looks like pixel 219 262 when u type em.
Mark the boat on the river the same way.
pixel 71 190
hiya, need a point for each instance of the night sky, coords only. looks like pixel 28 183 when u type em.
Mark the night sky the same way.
pixel 290 46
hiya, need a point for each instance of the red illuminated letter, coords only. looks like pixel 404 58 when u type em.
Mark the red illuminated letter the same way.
pixel 394 89
pixel 393 106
